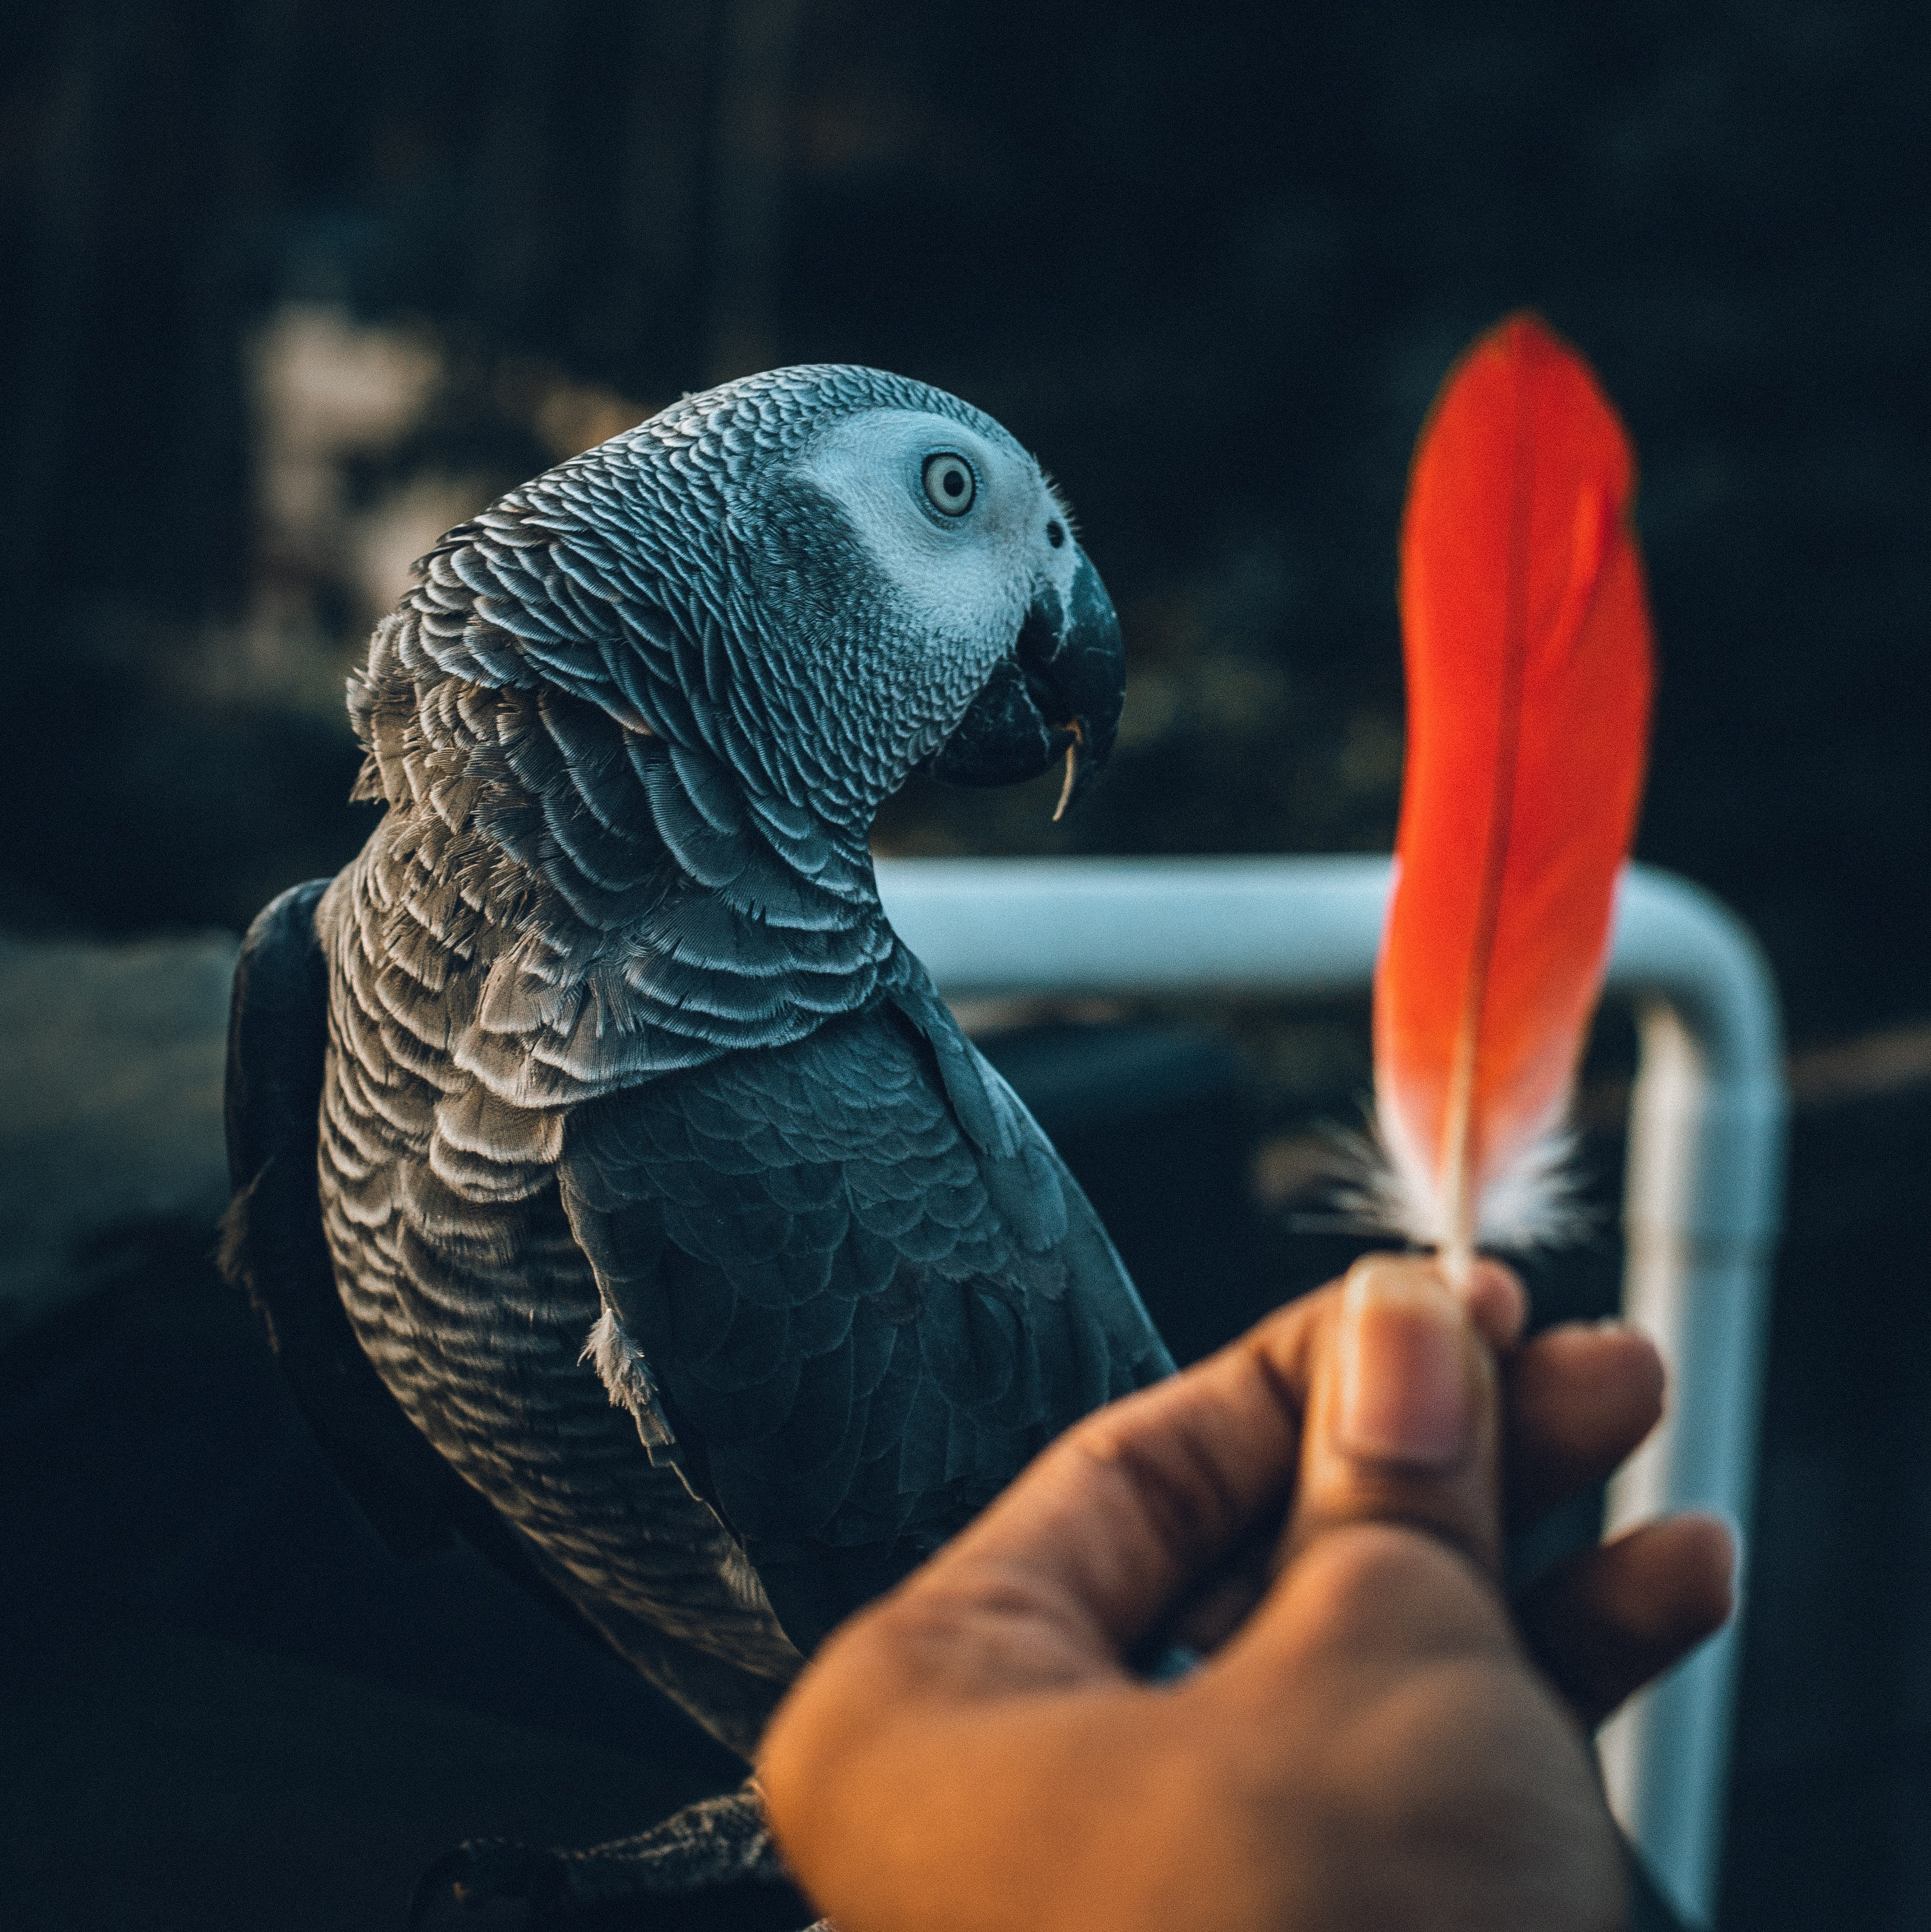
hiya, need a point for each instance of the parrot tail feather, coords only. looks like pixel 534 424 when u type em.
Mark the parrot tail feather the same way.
pixel 1526 638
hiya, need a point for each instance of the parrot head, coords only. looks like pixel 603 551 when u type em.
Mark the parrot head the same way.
pixel 864 577
pixel 983 641
pixel 803 586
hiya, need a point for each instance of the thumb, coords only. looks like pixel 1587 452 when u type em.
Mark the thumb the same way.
pixel 1403 1422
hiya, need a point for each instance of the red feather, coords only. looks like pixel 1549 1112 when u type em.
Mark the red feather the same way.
pixel 1526 635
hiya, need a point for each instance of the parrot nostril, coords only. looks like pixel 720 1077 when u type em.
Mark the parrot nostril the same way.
pixel 1056 533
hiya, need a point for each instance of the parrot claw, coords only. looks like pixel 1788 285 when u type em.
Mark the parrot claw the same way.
pixel 711 1864
pixel 488 1885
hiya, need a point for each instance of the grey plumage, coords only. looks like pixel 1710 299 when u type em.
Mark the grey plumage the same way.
pixel 661 1190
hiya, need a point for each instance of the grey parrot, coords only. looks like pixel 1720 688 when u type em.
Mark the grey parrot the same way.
pixel 709 1275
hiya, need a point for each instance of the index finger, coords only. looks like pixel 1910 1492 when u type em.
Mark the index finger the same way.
pixel 1105 1533
pixel 1102 1535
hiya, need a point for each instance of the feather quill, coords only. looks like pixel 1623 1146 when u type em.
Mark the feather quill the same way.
pixel 1526 640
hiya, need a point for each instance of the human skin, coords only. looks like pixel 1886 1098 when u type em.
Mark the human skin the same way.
pixel 1375 1739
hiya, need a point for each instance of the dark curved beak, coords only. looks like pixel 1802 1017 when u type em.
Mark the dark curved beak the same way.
pixel 1059 695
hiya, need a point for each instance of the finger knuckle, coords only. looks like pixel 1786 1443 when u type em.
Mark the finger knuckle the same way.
pixel 1370 1573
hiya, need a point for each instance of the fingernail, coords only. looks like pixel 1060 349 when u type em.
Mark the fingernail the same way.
pixel 1404 1394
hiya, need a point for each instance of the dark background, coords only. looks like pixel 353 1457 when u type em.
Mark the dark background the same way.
pixel 291 286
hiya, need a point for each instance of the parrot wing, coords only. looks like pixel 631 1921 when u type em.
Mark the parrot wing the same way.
pixel 861 1284
pixel 273 1247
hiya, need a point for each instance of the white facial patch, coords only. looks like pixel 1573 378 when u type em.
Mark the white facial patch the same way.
pixel 969 578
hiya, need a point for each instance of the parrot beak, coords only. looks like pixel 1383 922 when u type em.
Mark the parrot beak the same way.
pixel 1057 695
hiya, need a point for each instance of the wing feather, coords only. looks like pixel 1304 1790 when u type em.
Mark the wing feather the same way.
pixel 863 1319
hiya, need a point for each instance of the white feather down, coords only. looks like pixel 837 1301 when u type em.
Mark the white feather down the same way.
pixel 626 1375
pixel 1388 1187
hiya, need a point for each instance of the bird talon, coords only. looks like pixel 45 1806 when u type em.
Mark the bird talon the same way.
pixel 488 1885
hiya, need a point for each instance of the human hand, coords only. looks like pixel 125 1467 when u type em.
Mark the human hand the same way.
pixel 1377 1741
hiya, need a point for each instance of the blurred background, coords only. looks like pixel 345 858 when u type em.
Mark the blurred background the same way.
pixel 291 288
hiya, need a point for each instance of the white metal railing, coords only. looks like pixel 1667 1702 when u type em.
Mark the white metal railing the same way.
pixel 1700 1205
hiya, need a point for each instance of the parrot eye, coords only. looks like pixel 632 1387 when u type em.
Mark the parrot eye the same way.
pixel 949 483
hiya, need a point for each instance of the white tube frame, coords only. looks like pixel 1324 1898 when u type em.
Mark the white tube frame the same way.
pixel 1701 1201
